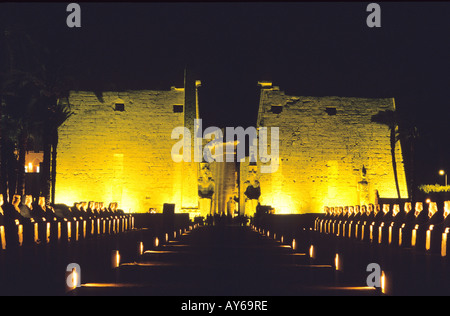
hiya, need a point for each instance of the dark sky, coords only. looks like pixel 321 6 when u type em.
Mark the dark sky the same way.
pixel 309 48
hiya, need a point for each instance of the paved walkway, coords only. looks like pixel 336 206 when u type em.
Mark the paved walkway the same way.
pixel 218 261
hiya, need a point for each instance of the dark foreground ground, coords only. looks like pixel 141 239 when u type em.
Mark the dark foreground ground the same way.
pixel 221 260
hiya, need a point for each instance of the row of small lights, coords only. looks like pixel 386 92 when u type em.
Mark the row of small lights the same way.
pixel 293 245
pixel 115 260
pixel 156 242
pixel 312 254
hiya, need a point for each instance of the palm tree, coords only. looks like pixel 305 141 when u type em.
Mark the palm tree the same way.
pixel 409 134
pixel 19 101
pixel 57 116
pixel 389 118
pixel 31 98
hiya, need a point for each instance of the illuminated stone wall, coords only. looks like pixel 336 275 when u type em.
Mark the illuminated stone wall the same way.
pixel 324 144
pixel 125 156
pixel 105 154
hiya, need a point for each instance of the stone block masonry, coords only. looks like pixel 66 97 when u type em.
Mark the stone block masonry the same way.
pixel 118 148
pixel 106 154
pixel 324 143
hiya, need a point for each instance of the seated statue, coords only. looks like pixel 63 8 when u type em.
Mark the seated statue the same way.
pixel 26 208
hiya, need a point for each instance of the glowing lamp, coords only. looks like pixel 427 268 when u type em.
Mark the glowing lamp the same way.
pixel 428 239
pixel 294 245
pixel 167 237
pixel 337 263
pixel 59 231
pixel 141 248
pixel 380 232
pixel 84 229
pixel 444 242
pixel 76 230
pixel 156 242
pixel 36 233
pixel 282 239
pixel 400 234
pixel 69 230
pixel 391 227
pixel 115 259
pixel 74 277
pixel 383 282
pixel 48 232
pixel 312 252
pixel 414 236
pixel 330 226
pixel 363 226
pixel 20 234
pixel 2 237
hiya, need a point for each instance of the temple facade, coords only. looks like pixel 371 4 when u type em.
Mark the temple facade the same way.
pixel 117 146
pixel 330 152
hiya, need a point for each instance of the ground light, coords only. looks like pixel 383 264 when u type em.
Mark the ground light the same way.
pixel 337 262
pixel 428 238
pixel 383 282
pixel 312 252
pixel 444 242
pixel 74 277
pixel 47 225
pixel 115 259
pixel 141 248
pixel 3 237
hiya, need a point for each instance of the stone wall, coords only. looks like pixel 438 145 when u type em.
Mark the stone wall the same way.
pixel 324 143
pixel 111 155
pixel 105 154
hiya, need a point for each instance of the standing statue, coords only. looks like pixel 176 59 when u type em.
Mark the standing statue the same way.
pixel 206 187
pixel 363 187
pixel 252 190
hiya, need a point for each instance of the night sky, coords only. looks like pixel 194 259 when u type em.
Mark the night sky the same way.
pixel 309 49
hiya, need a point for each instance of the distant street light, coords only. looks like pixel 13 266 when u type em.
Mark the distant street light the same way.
pixel 443 173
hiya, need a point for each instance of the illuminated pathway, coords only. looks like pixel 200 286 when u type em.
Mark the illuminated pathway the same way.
pixel 218 260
